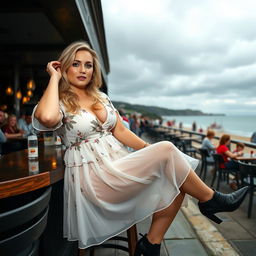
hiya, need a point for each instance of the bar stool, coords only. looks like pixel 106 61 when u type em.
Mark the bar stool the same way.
pixel 131 239
pixel 22 224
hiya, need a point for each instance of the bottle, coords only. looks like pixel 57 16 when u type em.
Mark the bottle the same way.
pixel 33 166
pixel 49 139
pixel 32 146
pixel 57 141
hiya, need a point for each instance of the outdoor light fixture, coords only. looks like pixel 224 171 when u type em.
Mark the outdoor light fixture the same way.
pixel 18 95
pixel 9 91
pixel 31 85
pixel 29 93
pixel 25 99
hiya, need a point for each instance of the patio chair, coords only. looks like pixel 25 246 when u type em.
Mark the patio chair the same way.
pixel 177 142
pixel 248 178
pixel 221 172
pixel 187 148
pixel 204 162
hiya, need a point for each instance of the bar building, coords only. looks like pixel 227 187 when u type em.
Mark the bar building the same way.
pixel 34 32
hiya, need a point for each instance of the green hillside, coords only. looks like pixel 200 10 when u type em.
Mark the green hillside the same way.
pixel 156 112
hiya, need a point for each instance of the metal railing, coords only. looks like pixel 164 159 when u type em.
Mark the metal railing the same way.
pixel 200 136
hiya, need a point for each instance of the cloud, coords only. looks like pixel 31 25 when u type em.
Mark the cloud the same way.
pixel 183 54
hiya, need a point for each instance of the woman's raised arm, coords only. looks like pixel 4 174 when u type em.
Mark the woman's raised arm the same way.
pixel 48 110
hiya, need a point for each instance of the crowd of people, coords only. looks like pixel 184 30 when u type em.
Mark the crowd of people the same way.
pixel 138 123
pixel 13 130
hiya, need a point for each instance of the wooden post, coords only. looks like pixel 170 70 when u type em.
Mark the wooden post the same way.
pixel 132 239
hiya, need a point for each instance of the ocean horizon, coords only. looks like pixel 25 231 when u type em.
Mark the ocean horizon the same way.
pixel 232 124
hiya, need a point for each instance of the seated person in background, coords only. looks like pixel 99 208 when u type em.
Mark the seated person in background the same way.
pixel 2 140
pixel 239 151
pixel 2 119
pixel 15 140
pixel 11 130
pixel 223 150
pixel 2 136
pixel 207 144
pixel 25 124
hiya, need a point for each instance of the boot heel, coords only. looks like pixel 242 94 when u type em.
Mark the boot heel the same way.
pixel 145 248
pixel 214 218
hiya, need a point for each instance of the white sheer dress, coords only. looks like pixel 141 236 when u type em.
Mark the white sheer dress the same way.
pixel 106 188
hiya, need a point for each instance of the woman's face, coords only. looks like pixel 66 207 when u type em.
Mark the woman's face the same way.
pixel 12 121
pixel 228 142
pixel 80 72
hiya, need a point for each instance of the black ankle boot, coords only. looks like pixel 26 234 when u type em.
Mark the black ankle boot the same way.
pixel 222 203
pixel 145 248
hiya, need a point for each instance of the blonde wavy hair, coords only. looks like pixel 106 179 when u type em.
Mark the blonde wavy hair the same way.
pixel 69 98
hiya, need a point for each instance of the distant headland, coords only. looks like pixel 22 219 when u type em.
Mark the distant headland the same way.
pixel 158 112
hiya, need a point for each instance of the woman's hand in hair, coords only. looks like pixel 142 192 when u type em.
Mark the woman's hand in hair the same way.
pixel 53 69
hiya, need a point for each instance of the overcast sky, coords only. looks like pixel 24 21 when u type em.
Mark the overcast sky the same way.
pixel 197 54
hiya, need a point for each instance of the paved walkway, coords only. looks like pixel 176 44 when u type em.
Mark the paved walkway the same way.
pixel 180 240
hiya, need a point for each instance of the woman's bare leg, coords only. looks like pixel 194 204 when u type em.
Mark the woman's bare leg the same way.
pixel 162 220
pixel 195 187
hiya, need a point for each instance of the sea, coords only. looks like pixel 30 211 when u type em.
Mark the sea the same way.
pixel 237 125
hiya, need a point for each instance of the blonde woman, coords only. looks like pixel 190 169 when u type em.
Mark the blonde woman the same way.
pixel 107 189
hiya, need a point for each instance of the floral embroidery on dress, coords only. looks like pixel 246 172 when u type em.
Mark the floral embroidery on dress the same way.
pixel 68 122
pixel 76 144
pixel 81 137
pixel 97 127
pixel 109 104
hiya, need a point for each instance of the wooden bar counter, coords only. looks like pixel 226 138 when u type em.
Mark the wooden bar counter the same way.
pixel 19 175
